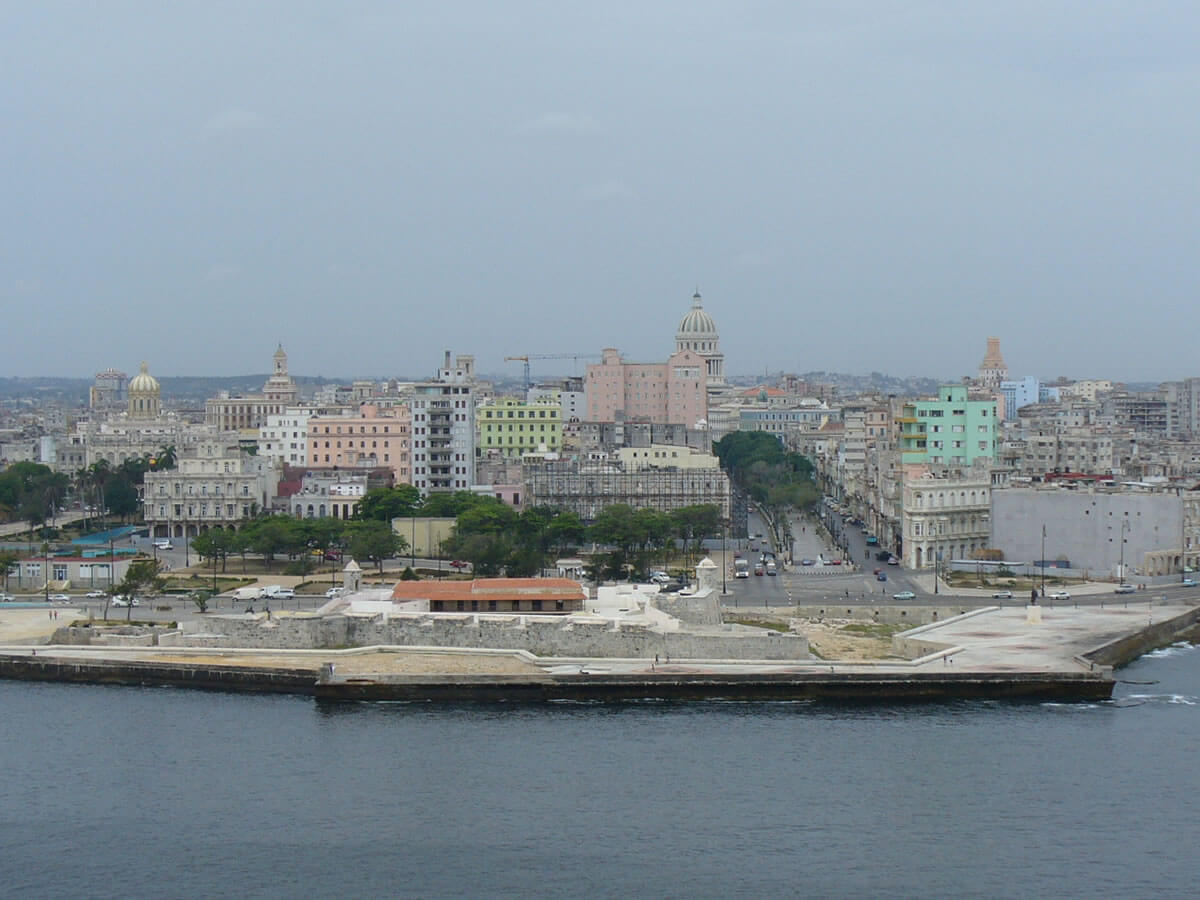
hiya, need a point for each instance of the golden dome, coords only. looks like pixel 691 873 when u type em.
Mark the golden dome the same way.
pixel 143 382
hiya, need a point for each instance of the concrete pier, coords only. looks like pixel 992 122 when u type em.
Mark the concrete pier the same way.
pixel 987 653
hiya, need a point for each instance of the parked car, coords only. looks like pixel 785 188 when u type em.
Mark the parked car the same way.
pixel 123 601
pixel 95 595
pixel 808 562
pixel 659 578
pixel 905 595
pixel 163 544
pixel 1059 595
pixel 758 569
pixel 459 564
pixel 59 598
pixel 871 539
pixel 1002 595
pixel 277 592
pixel 335 592
pixel 892 561
pixel 1125 589
pixel 6 598
pixel 835 562
pixel 883 555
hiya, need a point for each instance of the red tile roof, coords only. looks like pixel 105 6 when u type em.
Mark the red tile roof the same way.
pixel 502 589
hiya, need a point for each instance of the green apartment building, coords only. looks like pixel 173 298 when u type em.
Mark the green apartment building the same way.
pixel 514 427
pixel 951 430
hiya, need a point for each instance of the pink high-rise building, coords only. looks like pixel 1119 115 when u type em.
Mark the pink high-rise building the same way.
pixel 674 392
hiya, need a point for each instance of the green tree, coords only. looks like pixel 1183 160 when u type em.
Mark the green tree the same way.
pixel 8 559
pixel 268 536
pixel 165 458
pixel 387 503
pixel 448 506
pixel 239 542
pixel 201 598
pixel 122 496
pixel 565 530
pixel 487 553
pixel 134 469
pixel 491 517
pixel 325 534
pixel 141 577
pixel 215 544
pixel 375 541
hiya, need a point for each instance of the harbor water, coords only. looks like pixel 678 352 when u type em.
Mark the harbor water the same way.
pixel 129 792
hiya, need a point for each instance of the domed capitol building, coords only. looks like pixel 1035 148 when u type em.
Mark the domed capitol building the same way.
pixel 676 391
pixel 142 428
pixel 698 332
pixel 145 395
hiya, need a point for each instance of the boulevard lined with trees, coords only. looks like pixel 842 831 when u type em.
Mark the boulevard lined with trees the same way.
pixel 490 535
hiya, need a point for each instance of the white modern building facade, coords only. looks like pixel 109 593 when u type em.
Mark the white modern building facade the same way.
pixel 443 429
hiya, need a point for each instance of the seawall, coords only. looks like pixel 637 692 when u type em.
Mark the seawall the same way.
pixel 712 682
pixel 151 673
pixel 1127 648
pixel 845 687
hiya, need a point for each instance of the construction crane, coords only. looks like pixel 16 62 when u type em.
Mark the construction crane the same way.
pixel 528 356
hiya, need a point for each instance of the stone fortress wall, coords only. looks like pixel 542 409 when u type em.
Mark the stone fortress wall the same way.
pixel 545 636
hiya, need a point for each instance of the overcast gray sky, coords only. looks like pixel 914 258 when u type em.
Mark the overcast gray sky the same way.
pixel 854 186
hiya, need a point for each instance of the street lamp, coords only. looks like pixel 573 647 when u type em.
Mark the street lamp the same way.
pixel 724 560
pixel 1042 561
pixel 937 555
pixel 1124 528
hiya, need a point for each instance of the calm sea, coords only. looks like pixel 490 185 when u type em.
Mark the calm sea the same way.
pixel 121 792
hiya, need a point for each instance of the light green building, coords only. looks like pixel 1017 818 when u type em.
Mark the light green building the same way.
pixel 514 427
pixel 952 430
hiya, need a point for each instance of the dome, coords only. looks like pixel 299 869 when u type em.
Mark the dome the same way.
pixel 697 321
pixel 143 381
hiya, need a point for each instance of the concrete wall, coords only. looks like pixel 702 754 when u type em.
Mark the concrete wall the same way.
pixel 1083 526
pixel 705 610
pixel 541 636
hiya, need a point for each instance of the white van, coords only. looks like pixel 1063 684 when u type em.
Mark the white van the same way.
pixel 277 592
pixel 247 593
pixel 163 544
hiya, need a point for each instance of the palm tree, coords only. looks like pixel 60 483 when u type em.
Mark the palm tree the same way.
pixel 164 459
pixel 98 475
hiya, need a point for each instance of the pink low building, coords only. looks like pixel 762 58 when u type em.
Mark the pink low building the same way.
pixel 674 392
pixel 373 437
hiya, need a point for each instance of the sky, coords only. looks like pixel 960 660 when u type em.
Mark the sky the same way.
pixel 852 186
